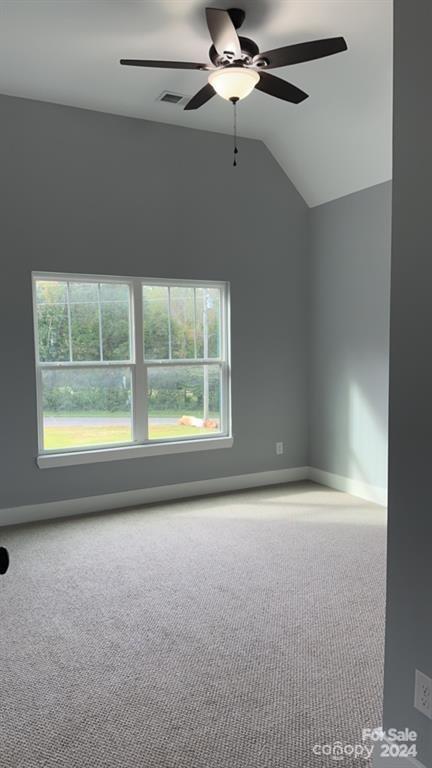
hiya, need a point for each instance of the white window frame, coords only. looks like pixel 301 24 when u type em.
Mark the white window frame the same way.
pixel 141 445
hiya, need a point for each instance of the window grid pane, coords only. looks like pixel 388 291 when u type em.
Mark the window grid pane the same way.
pixel 115 330
pixel 52 321
pixel 54 333
pixel 156 322
pixel 85 331
pixel 182 320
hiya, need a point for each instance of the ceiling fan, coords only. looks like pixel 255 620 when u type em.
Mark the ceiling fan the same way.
pixel 237 65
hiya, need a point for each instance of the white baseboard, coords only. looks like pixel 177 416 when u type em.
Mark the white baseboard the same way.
pixel 354 487
pixel 67 507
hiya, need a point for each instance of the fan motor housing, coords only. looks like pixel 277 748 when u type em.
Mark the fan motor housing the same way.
pixel 249 50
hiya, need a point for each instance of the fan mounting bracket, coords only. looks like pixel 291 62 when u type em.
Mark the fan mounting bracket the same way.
pixel 249 51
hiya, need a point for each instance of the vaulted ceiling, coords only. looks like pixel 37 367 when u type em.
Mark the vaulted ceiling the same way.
pixel 336 142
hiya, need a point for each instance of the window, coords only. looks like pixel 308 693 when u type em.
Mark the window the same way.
pixel 135 365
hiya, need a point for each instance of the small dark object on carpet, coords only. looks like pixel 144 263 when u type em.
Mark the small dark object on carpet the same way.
pixel 4 560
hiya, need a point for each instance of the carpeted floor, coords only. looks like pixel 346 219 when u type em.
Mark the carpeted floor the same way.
pixel 235 631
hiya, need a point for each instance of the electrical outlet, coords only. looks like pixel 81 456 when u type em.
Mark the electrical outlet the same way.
pixel 423 694
pixel 279 449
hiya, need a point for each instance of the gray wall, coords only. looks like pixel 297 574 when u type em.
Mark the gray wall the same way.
pixel 409 612
pixel 88 192
pixel 349 327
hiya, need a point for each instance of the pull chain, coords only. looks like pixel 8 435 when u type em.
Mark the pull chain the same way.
pixel 234 103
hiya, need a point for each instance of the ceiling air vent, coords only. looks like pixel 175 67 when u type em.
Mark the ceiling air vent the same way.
pixel 171 98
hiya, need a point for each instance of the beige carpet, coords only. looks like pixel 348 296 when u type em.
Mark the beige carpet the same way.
pixel 229 632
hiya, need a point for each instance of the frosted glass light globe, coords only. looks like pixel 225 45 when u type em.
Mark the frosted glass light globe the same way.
pixel 234 82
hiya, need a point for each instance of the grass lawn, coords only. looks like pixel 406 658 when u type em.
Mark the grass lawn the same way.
pixel 77 436
pixel 90 414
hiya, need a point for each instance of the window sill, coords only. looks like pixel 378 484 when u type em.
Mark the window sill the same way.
pixel 46 460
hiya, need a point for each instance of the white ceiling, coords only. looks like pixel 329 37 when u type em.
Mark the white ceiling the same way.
pixel 336 142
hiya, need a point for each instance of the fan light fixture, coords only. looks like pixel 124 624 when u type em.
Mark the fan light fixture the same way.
pixel 234 82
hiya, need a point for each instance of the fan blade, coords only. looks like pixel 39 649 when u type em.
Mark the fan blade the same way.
pixel 163 64
pixel 200 98
pixel 296 54
pixel 223 32
pixel 274 86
